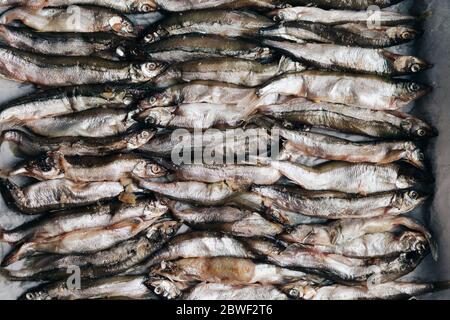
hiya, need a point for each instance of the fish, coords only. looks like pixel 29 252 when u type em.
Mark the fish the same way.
pixel 58 194
pixel 117 287
pixel 227 23
pixel 196 47
pixel 67 100
pixel 214 291
pixel 99 44
pixel 349 34
pixel 333 148
pixel 187 5
pixel 103 263
pixel 197 116
pixel 345 4
pixel 226 270
pixel 133 6
pixel 55 165
pixel 364 238
pixel 71 19
pixel 361 121
pixel 387 291
pixel 335 205
pixel 238 222
pixel 101 215
pixel 32 145
pixel 337 17
pixel 351 59
pixel 364 91
pixel 81 241
pixel 191 191
pixel 44 70
pixel 337 267
pixel 228 70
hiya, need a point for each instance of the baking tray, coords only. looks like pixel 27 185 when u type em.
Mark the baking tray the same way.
pixel 434 46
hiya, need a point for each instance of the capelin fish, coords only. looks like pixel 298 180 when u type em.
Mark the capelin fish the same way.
pixel 239 174
pixel 64 71
pixel 201 91
pixel 226 270
pixel 186 5
pixel 387 291
pixel 333 148
pixel 32 145
pixel 71 19
pixel 81 241
pixel 99 44
pixel 90 217
pixel 108 262
pixel 228 23
pixel 197 116
pixel 358 178
pixel 120 287
pixel 362 121
pixel 363 238
pixel 58 194
pixel 55 165
pixel 336 17
pixel 335 205
pixel 127 6
pixel 228 70
pixel 206 291
pixel 337 267
pixel 351 59
pixel 350 34
pixel 192 191
pixel 363 91
pixel 346 4
pixel 67 100
pixel 196 47
pixel 231 220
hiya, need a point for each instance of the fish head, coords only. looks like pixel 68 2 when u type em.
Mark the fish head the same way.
pixel 147 170
pixel 417 128
pixel 414 241
pixel 407 200
pixel 122 26
pixel 414 155
pixel 408 91
pixel 302 290
pixel 163 230
pixel 36 295
pixel 155 35
pixel 409 176
pixel 409 64
pixel 164 287
pixel 45 167
pixel 143 6
pixel 159 116
pixel 403 33
pixel 156 100
pixel 147 70
pixel 138 140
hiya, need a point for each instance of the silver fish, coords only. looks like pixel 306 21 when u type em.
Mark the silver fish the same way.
pixel 362 121
pixel 63 71
pixel 108 262
pixel 90 217
pixel 361 238
pixel 100 44
pixel 335 205
pixel 334 17
pixel 226 270
pixel 71 19
pixel 333 148
pixel 81 241
pixel 226 219
pixel 33 145
pixel 67 100
pixel 194 47
pixel 120 287
pixel 128 6
pixel 387 291
pixel 355 90
pixel 228 70
pixel 351 59
pixel 228 23
pixel 186 5
pixel 58 194
pixel 346 4
pixel 54 165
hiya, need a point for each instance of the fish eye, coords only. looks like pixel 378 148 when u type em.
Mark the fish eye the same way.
pixel 149 37
pixel 421 156
pixel 151 66
pixel 156 169
pixel 170 231
pixel 150 120
pixel 413 195
pixel 415 67
pixel 158 290
pixel 413 87
pixel 128 99
pixel 407 35
pixel 421 132
pixel 146 8
pixel 294 293
pixel 152 100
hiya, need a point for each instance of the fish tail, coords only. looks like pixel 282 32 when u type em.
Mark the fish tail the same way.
pixel 440 286
pixel 17 254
